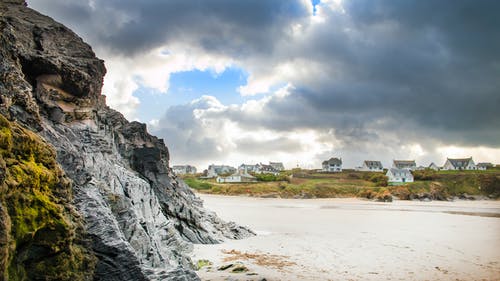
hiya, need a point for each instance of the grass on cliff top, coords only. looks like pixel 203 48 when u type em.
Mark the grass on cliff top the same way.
pixel 494 170
pixel 39 229
pixel 311 185
pixel 359 184
pixel 459 182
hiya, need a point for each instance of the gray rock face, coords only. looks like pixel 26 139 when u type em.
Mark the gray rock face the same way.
pixel 141 219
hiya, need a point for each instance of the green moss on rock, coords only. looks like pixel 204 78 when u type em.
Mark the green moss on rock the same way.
pixel 39 234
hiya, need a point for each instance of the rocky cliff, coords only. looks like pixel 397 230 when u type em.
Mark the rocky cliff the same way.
pixel 126 215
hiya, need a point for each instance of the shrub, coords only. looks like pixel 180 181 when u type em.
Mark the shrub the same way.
pixel 438 191
pixel 197 184
pixel 367 193
pixel 379 179
pixel 490 184
pixel 383 195
pixel 202 263
pixel 402 192
pixel 271 177
pixel 353 176
pixel 425 175
pixel 282 185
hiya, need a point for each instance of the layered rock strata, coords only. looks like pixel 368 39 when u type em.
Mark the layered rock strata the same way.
pixel 140 220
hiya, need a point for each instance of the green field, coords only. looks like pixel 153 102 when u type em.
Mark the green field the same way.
pixel 309 184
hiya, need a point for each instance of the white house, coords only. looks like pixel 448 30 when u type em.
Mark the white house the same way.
pixel 183 169
pixel 267 169
pixel 434 167
pixel 261 168
pixel 404 164
pixel 216 170
pixel 332 165
pixel 396 175
pixel 484 166
pixel 459 164
pixel 237 177
pixel 277 165
pixel 248 168
pixel 371 166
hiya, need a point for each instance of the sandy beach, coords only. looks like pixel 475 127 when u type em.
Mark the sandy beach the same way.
pixel 351 239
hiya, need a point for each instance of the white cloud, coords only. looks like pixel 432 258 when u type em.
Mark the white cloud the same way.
pixel 151 70
pixel 202 126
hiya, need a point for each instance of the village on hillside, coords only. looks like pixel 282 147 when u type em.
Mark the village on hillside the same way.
pixel 399 172
pixel 228 174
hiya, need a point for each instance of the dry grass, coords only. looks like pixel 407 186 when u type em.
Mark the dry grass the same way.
pixel 261 259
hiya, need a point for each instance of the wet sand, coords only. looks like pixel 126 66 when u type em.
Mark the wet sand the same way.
pixel 351 239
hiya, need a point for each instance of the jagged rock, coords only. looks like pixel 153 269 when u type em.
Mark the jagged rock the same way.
pixel 239 268
pixel 140 218
pixel 465 196
pixel 387 198
pixel 224 267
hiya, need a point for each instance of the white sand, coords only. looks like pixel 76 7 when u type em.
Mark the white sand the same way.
pixel 350 239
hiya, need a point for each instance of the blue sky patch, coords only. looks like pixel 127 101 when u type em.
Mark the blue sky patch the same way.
pixel 189 85
pixel 315 3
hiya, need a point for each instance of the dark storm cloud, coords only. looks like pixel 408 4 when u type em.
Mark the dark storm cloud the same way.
pixel 129 26
pixel 429 67
pixel 468 27
pixel 422 69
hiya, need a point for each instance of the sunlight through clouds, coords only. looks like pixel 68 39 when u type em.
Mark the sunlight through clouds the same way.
pixel 353 78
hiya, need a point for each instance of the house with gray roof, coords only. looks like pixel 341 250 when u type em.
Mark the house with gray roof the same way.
pixel 267 169
pixel 459 164
pixel 484 166
pixel 259 168
pixel 277 165
pixel 404 164
pixel 332 165
pixel 371 166
pixel 184 169
pixel 434 167
pixel 398 176
pixel 217 170
pixel 248 168
pixel 239 176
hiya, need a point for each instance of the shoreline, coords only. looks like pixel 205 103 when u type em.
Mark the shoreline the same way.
pixel 468 198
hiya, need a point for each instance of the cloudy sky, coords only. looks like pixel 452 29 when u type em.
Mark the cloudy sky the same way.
pixel 300 81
